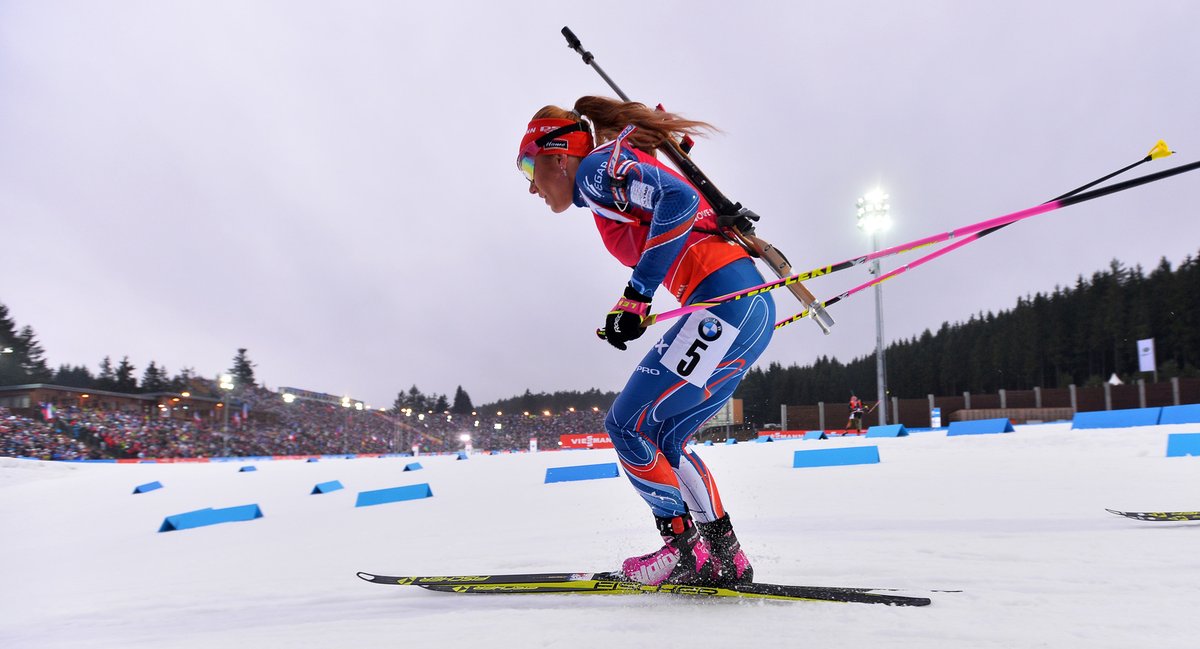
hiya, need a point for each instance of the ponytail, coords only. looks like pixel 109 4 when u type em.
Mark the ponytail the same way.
pixel 609 117
pixel 654 127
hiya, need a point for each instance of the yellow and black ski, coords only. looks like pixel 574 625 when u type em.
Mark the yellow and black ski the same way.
pixel 602 583
pixel 1158 516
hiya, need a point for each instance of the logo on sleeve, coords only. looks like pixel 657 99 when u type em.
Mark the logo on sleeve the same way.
pixel 641 194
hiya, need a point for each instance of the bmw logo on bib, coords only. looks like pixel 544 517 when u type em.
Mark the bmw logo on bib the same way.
pixel 710 329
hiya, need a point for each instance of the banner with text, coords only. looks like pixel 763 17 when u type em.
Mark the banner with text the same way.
pixel 590 440
pixel 1146 361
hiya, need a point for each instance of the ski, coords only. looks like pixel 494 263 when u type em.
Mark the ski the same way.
pixel 603 583
pixel 1158 516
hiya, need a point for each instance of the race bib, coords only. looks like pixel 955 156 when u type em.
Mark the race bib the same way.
pixel 699 347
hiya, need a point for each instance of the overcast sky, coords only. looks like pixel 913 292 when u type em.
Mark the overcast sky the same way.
pixel 331 184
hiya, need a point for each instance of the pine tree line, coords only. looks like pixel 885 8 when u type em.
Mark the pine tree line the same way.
pixel 555 402
pixel 23 361
pixel 1077 335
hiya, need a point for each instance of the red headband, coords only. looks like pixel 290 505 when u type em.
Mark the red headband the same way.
pixel 576 142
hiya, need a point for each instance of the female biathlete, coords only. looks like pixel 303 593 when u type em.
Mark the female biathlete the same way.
pixel 600 155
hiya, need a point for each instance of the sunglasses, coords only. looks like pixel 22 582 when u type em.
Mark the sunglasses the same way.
pixel 525 164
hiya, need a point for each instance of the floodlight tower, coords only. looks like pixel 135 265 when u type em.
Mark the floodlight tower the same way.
pixel 872 219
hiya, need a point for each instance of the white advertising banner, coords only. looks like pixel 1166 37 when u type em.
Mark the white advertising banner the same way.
pixel 1146 361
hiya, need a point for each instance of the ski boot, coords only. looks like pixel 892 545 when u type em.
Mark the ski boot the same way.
pixel 735 567
pixel 684 557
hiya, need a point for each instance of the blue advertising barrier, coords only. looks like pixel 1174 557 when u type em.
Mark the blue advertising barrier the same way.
pixel 210 516
pixel 326 487
pixel 1189 414
pixel 149 486
pixel 413 466
pixel 836 457
pixel 247 468
pixel 891 430
pixel 1116 418
pixel 313 459
pixel 980 427
pixel 730 441
pixel 708 442
pixel 393 494
pixel 1181 444
pixel 462 455
pixel 764 439
pixel 582 472
pixel 815 434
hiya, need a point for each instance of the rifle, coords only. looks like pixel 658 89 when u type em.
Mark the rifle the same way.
pixel 736 222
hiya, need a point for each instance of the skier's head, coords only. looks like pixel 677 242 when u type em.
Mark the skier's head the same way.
pixel 557 138
pixel 554 142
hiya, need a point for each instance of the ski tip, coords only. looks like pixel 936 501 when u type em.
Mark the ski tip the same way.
pixel 366 576
pixel 1113 511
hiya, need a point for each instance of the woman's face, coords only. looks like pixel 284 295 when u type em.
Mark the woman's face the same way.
pixel 554 180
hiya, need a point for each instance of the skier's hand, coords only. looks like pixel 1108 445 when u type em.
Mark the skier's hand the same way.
pixel 624 322
pixel 743 220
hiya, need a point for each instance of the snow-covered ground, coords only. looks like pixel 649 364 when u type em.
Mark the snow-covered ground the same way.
pixel 1015 520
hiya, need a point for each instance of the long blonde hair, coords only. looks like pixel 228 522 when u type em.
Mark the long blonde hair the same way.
pixel 609 116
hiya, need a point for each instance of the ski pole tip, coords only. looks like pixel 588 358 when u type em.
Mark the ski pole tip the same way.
pixel 1160 150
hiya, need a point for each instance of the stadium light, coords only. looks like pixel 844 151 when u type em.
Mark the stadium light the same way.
pixel 288 397
pixel 346 402
pixel 358 405
pixel 226 384
pixel 464 437
pixel 872 214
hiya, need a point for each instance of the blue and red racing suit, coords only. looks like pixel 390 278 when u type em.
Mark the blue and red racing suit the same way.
pixel 654 221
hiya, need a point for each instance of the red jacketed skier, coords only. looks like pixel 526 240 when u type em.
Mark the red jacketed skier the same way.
pixel 856 413
pixel 600 155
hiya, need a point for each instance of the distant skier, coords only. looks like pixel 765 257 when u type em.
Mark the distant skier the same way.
pixel 857 409
pixel 653 221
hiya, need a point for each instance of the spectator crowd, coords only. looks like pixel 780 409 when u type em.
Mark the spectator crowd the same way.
pixel 265 425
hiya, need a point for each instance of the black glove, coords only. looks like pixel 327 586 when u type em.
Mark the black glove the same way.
pixel 743 220
pixel 624 322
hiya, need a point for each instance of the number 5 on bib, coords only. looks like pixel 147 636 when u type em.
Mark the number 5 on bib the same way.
pixel 700 346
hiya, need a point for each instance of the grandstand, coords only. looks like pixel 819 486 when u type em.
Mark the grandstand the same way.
pixel 55 422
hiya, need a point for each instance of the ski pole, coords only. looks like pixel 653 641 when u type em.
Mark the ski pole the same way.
pixel 991 225
pixel 1160 150
pixel 1068 200
pixel 725 208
